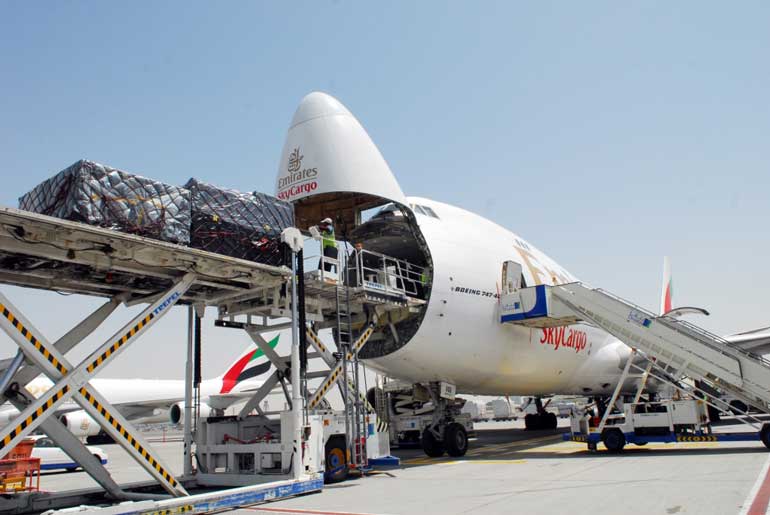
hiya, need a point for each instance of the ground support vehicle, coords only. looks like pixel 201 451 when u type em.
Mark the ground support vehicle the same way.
pixel 692 362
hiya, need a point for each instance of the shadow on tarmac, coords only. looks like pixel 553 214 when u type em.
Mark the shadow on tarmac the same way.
pixel 510 445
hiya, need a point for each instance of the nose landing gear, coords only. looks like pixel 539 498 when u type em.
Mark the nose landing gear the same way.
pixel 541 420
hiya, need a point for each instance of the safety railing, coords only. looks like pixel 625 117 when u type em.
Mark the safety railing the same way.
pixel 379 272
pixel 709 339
pixel 366 269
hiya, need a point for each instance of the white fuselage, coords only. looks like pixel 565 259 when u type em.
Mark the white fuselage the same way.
pixel 461 339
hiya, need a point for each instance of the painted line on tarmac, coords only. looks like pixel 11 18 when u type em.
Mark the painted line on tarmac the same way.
pixel 512 445
pixel 483 462
pixel 300 511
pixel 759 495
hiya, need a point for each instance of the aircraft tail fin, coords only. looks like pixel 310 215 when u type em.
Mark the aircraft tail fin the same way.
pixel 251 364
pixel 667 289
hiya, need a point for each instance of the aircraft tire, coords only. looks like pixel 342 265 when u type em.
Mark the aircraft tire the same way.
pixel 431 446
pixel 530 422
pixel 551 421
pixel 613 440
pixel 456 440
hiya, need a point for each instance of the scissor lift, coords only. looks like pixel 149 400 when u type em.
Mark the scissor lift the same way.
pixel 41 252
pixel 349 295
pixel 673 352
pixel 47 253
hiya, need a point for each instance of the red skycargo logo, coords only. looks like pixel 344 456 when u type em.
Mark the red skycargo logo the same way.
pixel 296 190
pixel 556 336
pixel 298 180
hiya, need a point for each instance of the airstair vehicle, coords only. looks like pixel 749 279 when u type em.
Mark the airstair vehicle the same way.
pixel 247 458
pixel 694 363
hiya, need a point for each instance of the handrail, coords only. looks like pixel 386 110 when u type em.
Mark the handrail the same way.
pixel 707 338
pixel 371 270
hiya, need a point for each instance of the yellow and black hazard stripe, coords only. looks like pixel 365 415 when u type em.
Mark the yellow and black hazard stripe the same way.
pixel 26 333
pixel 118 344
pixel 361 341
pixel 34 416
pixel 127 436
pixel 703 438
pixel 317 340
pixel 381 426
pixel 325 387
pixel 171 511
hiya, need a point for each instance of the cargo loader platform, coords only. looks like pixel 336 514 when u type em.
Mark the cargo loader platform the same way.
pixel 42 252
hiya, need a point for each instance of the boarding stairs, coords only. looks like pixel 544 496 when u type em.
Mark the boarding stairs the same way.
pixel 680 348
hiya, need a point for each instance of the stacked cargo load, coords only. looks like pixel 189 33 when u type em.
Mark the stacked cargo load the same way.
pixel 242 225
pixel 98 195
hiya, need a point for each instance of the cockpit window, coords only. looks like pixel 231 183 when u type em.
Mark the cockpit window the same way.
pixel 424 210
pixel 429 212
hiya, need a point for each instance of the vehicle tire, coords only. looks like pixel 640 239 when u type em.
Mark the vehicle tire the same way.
pixel 336 468
pixel 431 445
pixel 764 434
pixel 613 440
pixel 456 440
pixel 551 421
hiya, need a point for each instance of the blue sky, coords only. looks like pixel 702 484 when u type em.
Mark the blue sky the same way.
pixel 608 134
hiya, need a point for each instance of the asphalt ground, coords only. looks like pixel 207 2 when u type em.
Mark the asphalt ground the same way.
pixel 510 470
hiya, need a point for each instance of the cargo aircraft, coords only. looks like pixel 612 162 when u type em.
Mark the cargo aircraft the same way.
pixel 330 167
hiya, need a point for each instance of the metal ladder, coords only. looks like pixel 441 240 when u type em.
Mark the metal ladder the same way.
pixel 355 413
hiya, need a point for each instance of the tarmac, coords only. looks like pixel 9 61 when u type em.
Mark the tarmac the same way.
pixel 510 470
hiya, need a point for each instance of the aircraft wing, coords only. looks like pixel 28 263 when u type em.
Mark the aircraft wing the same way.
pixel 756 341
pixel 225 400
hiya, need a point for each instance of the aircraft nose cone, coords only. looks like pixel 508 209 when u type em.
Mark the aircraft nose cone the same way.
pixel 318 105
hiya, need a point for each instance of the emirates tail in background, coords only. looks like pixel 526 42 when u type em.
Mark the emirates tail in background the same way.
pixel 161 400
pixel 756 341
pixel 666 292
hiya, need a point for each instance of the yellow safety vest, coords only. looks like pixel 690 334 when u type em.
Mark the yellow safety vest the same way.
pixel 328 239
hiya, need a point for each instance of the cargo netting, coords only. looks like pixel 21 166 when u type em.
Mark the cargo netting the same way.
pixel 243 225
pixel 98 195
pixel 224 221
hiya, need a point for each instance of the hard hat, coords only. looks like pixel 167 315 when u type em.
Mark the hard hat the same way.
pixel 326 221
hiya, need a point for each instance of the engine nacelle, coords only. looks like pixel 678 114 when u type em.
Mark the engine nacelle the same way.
pixel 158 416
pixel 80 423
pixel 176 413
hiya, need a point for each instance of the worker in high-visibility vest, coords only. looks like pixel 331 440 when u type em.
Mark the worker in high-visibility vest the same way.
pixel 328 243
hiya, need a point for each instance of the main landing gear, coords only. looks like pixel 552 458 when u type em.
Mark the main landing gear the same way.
pixel 541 420
pixel 454 441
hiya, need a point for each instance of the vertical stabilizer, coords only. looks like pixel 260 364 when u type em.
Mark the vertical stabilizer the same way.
pixel 666 291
